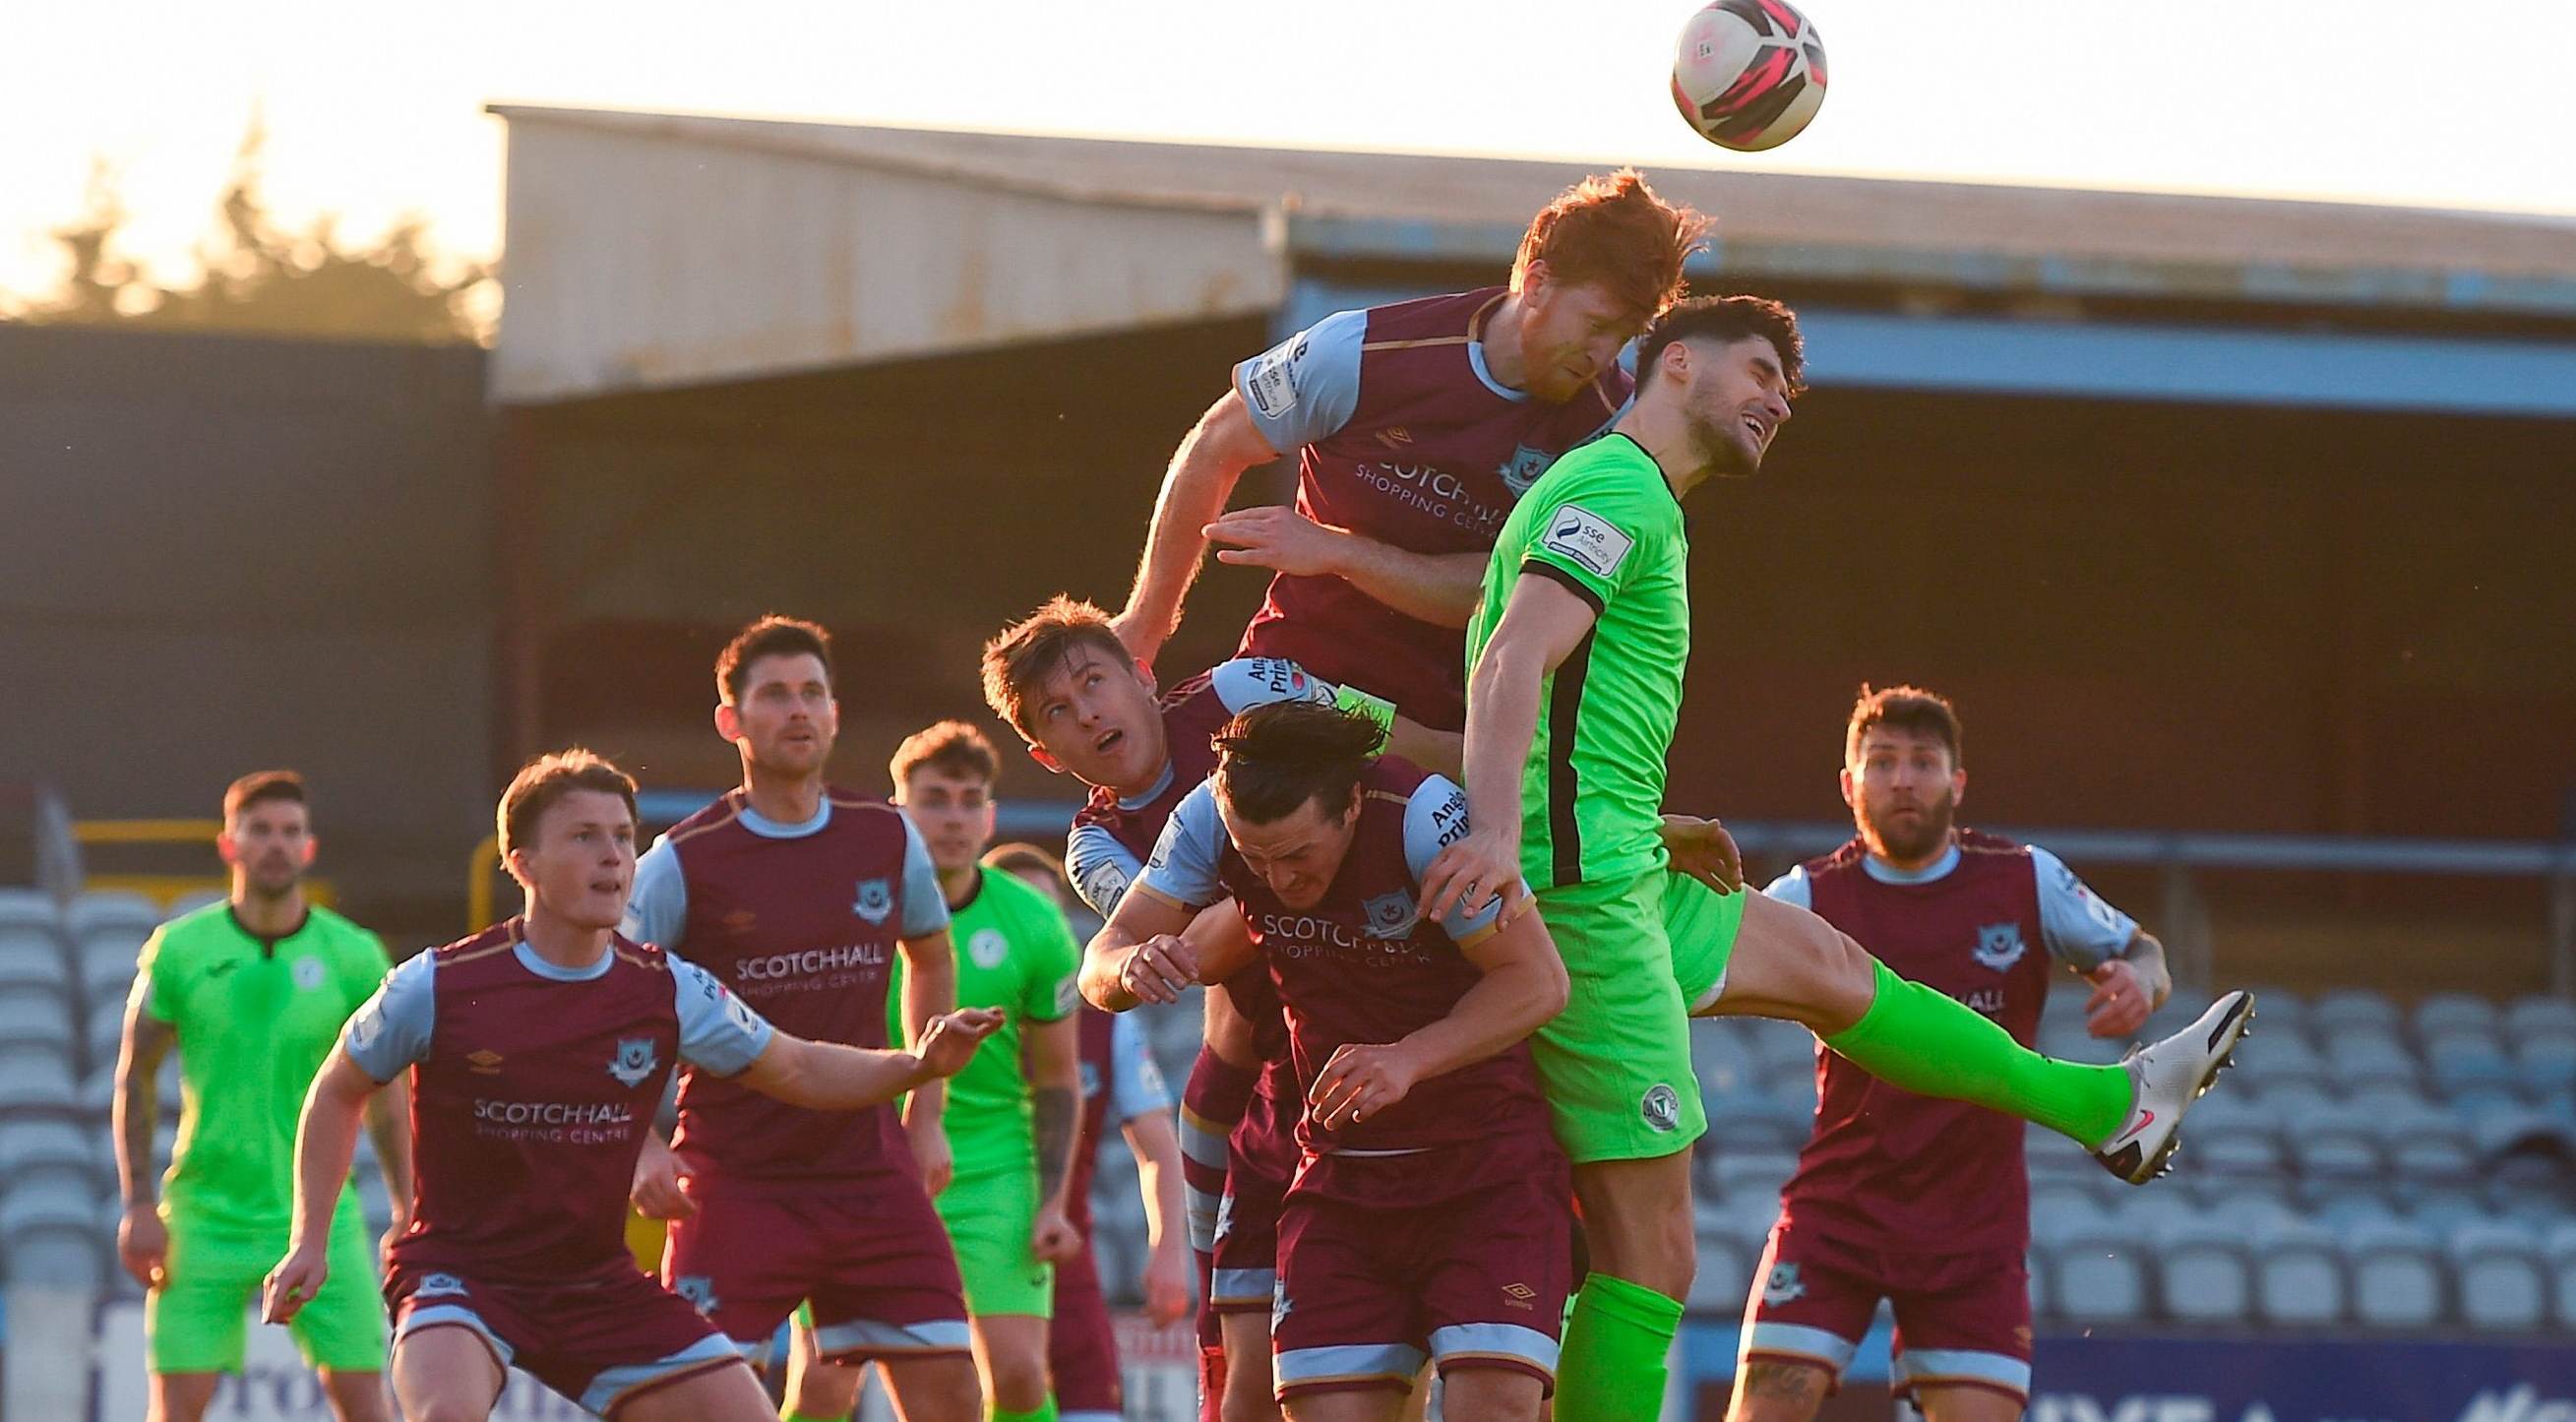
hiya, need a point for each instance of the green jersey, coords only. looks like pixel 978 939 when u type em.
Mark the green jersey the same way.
pixel 1015 952
pixel 255 1020
pixel 1603 524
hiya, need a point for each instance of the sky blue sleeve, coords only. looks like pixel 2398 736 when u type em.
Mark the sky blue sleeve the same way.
pixel 925 904
pixel 1791 888
pixel 1247 682
pixel 2079 926
pixel 1304 388
pixel 1136 1086
pixel 390 1031
pixel 1433 819
pixel 1100 868
pixel 1183 868
pixel 718 1030
pixel 659 907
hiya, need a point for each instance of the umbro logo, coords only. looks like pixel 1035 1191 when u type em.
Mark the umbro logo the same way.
pixel 483 1063
pixel 1395 436
pixel 1518 1296
pixel 217 970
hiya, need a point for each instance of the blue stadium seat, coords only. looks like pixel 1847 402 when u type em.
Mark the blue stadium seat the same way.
pixel 2396 1271
pixel 2208 1275
pixel 2280 1011
pixel 29 908
pixel 2445 1012
pixel 104 1035
pixel 2059 1211
pixel 2251 1210
pixel 2340 1012
pixel 36 1020
pixel 2232 1135
pixel 2343 1207
pixel 2559 1247
pixel 32 958
pixel 2545 1063
pixel 1723 1063
pixel 2359 1059
pixel 2463 1064
pixel 2439 1212
pixel 2299 1279
pixel 111 911
pixel 35 1082
pixel 30 1146
pixel 2535 1014
pixel 2102 1272
pixel 2280 1062
pixel 2334 1145
pixel 2050 1156
pixel 2426 1144
pixel 50 1232
pixel 2503 1283
pixel 104 969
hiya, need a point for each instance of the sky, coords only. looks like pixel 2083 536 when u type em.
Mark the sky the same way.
pixel 374 114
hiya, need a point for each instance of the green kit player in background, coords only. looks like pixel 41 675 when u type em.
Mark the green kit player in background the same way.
pixel 253 992
pixel 1014 1111
pixel 1574 692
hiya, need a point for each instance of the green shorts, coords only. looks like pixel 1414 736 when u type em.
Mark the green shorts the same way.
pixel 198 1320
pixel 989 1216
pixel 1616 1063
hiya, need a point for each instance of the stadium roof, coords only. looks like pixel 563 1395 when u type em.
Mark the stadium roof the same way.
pixel 658 249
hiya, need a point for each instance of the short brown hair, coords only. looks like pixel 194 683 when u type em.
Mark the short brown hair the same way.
pixel 259 787
pixel 548 778
pixel 1021 655
pixel 1729 319
pixel 952 746
pixel 1614 233
pixel 1903 708
pixel 771 636
pixel 1024 858
pixel 1273 759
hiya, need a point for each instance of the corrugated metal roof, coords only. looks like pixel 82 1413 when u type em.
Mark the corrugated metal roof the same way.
pixel 1973 234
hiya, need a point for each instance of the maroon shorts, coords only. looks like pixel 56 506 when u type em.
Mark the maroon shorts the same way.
pixel 602 1342
pixel 873 1259
pixel 1082 1347
pixel 1367 1292
pixel 1962 1320
pixel 1245 1275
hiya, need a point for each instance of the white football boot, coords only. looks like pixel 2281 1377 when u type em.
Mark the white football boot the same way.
pixel 2166 1078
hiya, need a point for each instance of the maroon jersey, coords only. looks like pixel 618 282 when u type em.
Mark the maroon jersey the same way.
pixel 532 1087
pixel 805 930
pixel 1362 967
pixel 1887 1169
pixel 1429 458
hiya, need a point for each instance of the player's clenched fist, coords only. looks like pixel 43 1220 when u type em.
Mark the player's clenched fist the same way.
pixel 1359 1082
pixel 953 1037
pixel 294 1282
pixel 656 1190
pixel 1159 969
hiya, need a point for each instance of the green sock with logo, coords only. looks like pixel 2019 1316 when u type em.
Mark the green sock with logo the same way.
pixel 1930 1043
pixel 1612 1365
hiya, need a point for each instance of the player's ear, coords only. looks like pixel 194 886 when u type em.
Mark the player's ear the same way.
pixel 1959 787
pixel 225 847
pixel 1050 762
pixel 1851 788
pixel 312 846
pixel 1145 674
pixel 728 721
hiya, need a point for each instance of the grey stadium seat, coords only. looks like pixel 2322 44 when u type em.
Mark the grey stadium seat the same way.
pixel 119 911
pixel 104 1035
pixel 51 1235
pixel 2279 1061
pixel 33 959
pixel 2442 1210
pixel 2503 1284
pixel 2359 1059
pixel 2231 1135
pixel 2443 1012
pixel 2546 1064
pixel 2462 1064
pixel 2299 1279
pixel 35 1019
pixel 2282 1010
pixel 2102 1272
pixel 34 1082
pixel 29 908
pixel 2426 1144
pixel 2334 1145
pixel 2559 1248
pixel 30 1146
pixel 2396 1270
pixel 2207 1273
pixel 105 969
pixel 2535 1013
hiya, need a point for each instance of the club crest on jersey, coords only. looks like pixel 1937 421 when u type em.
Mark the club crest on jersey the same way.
pixel 699 1290
pixel 1390 915
pixel 1783 1285
pixel 1999 945
pixel 1662 1108
pixel 876 900
pixel 1523 468
pixel 309 974
pixel 988 948
pixel 634 1061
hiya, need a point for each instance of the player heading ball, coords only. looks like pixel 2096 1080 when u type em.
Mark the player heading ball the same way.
pixel 538 1051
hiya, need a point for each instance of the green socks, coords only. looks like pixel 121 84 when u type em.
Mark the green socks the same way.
pixel 1934 1045
pixel 792 1415
pixel 1043 1414
pixel 1611 1367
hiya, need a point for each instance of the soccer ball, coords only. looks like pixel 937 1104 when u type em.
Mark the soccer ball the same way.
pixel 1749 73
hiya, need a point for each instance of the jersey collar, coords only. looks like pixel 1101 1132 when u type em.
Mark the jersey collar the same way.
pixel 1887 873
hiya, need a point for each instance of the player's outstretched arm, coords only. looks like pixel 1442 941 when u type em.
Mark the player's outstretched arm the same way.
pixel 1153 950
pixel 1542 625
pixel 1202 476
pixel 826 1076
pixel 1524 984
pixel 326 1140
pixel 1440 588
pixel 1158 1179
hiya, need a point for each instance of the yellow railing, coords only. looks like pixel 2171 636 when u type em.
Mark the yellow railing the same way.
pixel 479 871
pixel 146 831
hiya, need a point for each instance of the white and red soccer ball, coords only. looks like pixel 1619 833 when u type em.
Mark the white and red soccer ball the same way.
pixel 1749 73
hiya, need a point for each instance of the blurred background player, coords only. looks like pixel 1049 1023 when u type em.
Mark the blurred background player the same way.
pixel 1087 707
pixel 797 896
pixel 1429 1217
pixel 1122 1083
pixel 1580 645
pixel 538 1051
pixel 253 992
pixel 1898 1196
pixel 1415 427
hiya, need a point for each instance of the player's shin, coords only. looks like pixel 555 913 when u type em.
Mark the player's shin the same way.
pixel 1612 1367
pixel 1934 1045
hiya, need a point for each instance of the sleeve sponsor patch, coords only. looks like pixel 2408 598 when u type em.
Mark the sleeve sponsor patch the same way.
pixel 1271 384
pixel 1587 540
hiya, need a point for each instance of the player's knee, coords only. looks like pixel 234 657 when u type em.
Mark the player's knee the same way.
pixel 448 1409
pixel 1248 1396
pixel 823 1390
pixel 1020 1382
pixel 1498 1393
pixel 1767 1390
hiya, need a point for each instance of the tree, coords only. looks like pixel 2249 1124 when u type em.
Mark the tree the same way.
pixel 255 276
